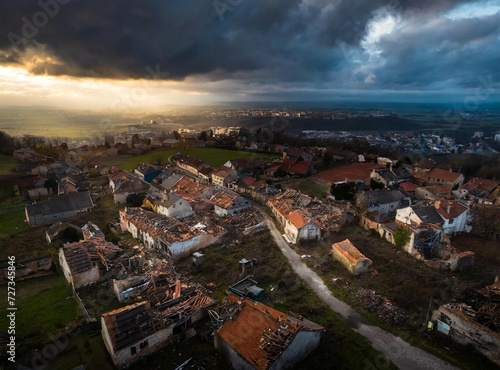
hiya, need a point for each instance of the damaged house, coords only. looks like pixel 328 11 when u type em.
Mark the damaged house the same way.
pixel 300 227
pixel 77 266
pixel 302 217
pixel 255 336
pixel 227 202
pixel 85 261
pixel 477 326
pixel 167 233
pixel 136 331
pixel 347 254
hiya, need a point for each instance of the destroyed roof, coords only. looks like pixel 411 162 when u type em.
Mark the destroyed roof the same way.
pixel 268 332
pixel 60 204
pixel 428 215
pixel 289 200
pixel 298 219
pixel 189 189
pixel 480 187
pixel 169 229
pixel 129 324
pixel 349 250
pixel 77 257
pixel 444 175
pixel 382 196
pixel 455 209
pixel 224 198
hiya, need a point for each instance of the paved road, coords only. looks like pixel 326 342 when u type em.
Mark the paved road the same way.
pixel 402 354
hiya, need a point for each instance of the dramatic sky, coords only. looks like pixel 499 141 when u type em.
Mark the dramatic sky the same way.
pixel 130 54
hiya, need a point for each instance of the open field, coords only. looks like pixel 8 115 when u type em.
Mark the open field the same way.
pixel 217 157
pixel 44 306
pixel 213 156
pixel 308 187
pixel 350 171
pixel 12 218
pixel 7 162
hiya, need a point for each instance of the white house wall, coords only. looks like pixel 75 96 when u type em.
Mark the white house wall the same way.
pixel 301 346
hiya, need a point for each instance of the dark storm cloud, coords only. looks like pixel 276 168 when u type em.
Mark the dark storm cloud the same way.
pixel 263 41
pixel 465 50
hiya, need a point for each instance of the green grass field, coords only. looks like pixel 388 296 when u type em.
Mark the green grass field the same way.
pixel 7 162
pixel 42 308
pixel 213 156
pixel 12 218
pixel 217 157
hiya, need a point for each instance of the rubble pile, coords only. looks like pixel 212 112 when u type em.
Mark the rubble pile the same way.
pixel 381 307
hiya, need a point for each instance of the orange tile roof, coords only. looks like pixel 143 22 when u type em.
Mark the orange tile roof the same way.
pixel 298 219
pixel 349 250
pixel 248 333
pixel 444 175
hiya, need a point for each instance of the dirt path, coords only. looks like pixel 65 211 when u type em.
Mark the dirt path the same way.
pixel 401 353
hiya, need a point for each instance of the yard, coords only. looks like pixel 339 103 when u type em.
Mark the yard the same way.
pixel 7 162
pixel 12 218
pixel 44 307
pixel 213 156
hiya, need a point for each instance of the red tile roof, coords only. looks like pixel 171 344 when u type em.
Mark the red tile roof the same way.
pixel 301 167
pixel 444 175
pixel 408 186
pixel 455 210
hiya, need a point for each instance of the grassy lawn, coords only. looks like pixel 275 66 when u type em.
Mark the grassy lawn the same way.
pixel 217 157
pixel 43 309
pixel 155 157
pixel 308 187
pixel 12 218
pixel 213 156
pixel 7 162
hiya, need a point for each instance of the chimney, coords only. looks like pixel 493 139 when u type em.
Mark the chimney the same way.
pixel 448 208
pixel 390 167
pixel 165 195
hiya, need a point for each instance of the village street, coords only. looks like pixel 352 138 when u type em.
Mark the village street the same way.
pixel 401 353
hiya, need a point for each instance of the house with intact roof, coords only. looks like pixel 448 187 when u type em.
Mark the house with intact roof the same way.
pixel 58 208
pixel 455 216
pixel 298 226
